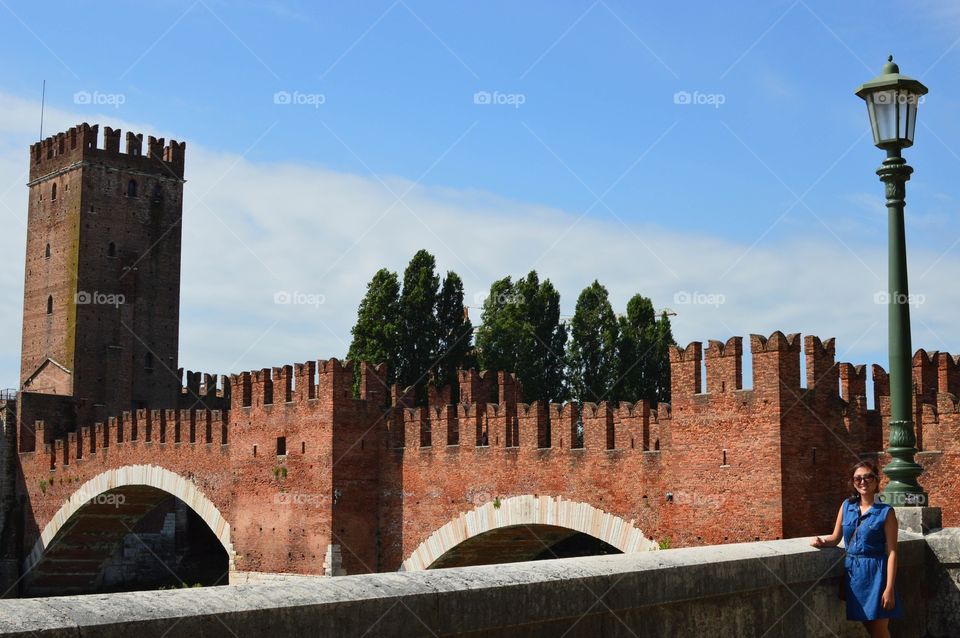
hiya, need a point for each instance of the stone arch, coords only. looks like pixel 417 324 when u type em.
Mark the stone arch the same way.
pixel 529 510
pixel 134 475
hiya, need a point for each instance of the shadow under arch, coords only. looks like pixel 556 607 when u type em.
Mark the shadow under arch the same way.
pixel 80 538
pixel 541 515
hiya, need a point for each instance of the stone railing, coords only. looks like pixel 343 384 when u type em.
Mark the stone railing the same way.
pixel 773 588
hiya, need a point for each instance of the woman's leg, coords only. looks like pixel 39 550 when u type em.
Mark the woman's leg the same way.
pixel 877 628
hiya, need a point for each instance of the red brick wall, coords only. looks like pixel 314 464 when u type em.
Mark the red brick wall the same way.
pixel 766 462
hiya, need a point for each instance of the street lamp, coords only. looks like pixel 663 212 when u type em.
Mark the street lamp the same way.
pixel 892 101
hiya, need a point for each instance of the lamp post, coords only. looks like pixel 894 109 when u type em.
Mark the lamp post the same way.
pixel 892 101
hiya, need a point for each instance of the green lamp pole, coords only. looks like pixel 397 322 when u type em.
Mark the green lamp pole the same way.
pixel 892 101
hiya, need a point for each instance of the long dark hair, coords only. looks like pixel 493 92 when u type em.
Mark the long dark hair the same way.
pixel 870 465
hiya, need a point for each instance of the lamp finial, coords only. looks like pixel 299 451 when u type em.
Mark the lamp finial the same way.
pixel 890 67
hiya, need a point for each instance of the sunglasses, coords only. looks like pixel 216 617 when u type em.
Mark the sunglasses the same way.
pixel 864 478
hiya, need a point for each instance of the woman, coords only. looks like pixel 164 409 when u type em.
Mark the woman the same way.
pixel 869 530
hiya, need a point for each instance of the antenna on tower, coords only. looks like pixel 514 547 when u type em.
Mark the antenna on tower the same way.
pixel 43 97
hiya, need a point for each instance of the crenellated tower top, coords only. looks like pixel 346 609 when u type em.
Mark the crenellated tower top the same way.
pixel 80 143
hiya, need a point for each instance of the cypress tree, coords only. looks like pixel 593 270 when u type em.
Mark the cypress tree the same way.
pixel 454 333
pixel 592 356
pixel 418 326
pixel 376 335
pixel 521 332
pixel 637 356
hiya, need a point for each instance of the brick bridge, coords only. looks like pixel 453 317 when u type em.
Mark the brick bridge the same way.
pixel 297 468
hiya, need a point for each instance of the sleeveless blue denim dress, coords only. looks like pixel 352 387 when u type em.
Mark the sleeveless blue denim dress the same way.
pixel 866 563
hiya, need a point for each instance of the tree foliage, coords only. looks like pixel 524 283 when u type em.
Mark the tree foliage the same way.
pixel 638 369
pixel 521 332
pixel 592 356
pixel 419 330
pixel 376 335
pixel 419 325
pixel 662 353
pixel 454 333
pixel 422 332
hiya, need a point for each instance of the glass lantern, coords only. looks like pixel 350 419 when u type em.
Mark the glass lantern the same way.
pixel 892 101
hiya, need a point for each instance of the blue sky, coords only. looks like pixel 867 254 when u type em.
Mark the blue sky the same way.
pixel 583 166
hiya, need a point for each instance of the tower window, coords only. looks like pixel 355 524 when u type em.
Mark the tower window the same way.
pixel 112 250
pixel 50 305
pixel 148 362
pixel 157 193
pixel 47 252
pixel 53 192
pixel 132 188
pixel 281 446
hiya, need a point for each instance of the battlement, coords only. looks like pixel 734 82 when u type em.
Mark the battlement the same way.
pixel 80 143
pixel 201 387
pixel 567 426
pixel 936 383
pixel 301 382
pixel 475 386
pixel 142 426
pixel 776 369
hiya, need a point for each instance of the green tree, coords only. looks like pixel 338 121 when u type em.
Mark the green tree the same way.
pixel 664 341
pixel 418 326
pixel 637 352
pixel 543 359
pixel 376 335
pixel 592 356
pixel 521 332
pixel 454 333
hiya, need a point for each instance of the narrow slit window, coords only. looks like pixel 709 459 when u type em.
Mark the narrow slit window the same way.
pixel 47 252
pixel 50 305
pixel 53 193
pixel 132 188
pixel 112 250
pixel 281 446
pixel 148 361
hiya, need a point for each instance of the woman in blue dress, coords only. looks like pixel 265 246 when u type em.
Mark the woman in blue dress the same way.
pixel 869 531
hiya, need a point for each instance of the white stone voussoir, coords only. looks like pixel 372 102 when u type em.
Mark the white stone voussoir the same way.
pixel 530 510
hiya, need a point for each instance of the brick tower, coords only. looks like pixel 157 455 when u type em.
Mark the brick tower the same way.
pixel 101 297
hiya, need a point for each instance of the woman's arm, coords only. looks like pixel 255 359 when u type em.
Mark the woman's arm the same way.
pixel 890 530
pixel 833 539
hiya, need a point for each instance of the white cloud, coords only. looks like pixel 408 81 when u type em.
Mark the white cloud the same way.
pixel 252 230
